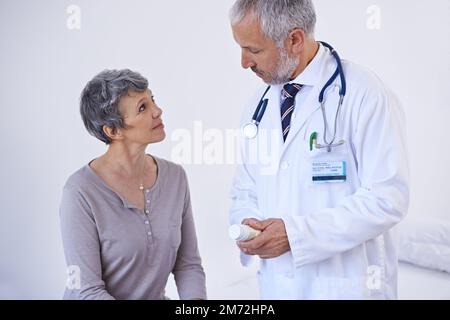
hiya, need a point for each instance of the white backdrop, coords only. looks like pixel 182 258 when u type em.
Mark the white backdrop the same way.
pixel 186 50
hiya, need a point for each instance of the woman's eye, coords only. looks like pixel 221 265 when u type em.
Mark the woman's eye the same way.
pixel 142 108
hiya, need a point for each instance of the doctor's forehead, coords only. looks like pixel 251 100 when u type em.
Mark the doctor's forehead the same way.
pixel 248 32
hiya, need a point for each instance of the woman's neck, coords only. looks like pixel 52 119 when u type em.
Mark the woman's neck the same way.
pixel 131 162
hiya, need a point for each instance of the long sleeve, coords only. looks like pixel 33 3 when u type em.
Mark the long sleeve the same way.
pixel 244 200
pixel 243 196
pixel 378 204
pixel 188 270
pixel 81 246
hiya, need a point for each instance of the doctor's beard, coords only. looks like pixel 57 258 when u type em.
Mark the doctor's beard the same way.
pixel 285 68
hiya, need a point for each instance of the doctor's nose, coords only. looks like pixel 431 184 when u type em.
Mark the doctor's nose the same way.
pixel 246 62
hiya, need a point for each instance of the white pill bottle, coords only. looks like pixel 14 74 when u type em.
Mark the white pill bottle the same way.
pixel 242 232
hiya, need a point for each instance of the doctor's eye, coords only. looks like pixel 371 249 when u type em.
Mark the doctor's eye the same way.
pixel 255 51
pixel 153 99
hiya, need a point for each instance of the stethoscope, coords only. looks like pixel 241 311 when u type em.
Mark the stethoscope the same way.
pixel 250 130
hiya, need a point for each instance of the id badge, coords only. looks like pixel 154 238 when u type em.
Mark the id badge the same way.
pixel 329 171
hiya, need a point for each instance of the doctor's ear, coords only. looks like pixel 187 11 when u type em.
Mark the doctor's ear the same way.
pixel 295 41
pixel 112 133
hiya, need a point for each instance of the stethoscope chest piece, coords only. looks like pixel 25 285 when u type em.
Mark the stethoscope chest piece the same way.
pixel 250 130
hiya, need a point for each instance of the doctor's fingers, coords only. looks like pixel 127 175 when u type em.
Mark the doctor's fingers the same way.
pixel 256 242
pixel 274 248
pixel 263 253
pixel 248 252
pixel 252 252
pixel 245 249
pixel 255 224
pixel 267 252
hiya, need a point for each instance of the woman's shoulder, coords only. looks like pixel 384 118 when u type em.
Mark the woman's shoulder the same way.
pixel 169 169
pixel 78 179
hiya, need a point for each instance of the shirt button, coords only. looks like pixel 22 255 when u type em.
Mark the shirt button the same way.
pixel 284 165
pixel 149 233
pixel 146 222
pixel 148 201
pixel 147 191
pixel 146 211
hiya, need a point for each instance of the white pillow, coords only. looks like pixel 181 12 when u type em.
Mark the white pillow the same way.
pixel 425 242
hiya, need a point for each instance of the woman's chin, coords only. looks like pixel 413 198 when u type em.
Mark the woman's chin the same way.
pixel 158 137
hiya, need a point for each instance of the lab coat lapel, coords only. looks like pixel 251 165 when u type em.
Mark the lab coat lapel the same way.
pixel 305 110
pixel 274 118
pixel 302 115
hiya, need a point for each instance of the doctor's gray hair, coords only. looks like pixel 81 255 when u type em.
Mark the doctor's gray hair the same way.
pixel 277 17
pixel 100 98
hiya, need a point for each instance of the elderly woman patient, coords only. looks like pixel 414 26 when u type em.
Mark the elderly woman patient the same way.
pixel 126 216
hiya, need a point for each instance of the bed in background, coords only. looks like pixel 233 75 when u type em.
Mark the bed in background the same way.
pixel 424 254
pixel 424 266
pixel 414 283
pixel 418 283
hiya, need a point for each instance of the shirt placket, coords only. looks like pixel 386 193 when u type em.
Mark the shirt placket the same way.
pixel 147 210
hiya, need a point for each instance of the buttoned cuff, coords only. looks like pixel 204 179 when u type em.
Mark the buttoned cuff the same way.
pixel 297 232
pixel 246 260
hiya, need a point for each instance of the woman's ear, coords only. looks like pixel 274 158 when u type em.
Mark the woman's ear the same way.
pixel 112 133
pixel 296 41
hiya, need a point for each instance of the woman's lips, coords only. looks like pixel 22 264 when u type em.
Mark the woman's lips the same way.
pixel 159 126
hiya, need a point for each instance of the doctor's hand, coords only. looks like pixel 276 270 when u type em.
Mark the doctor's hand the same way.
pixel 270 243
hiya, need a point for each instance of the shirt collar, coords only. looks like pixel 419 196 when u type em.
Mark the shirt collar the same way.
pixel 310 76
pixel 153 191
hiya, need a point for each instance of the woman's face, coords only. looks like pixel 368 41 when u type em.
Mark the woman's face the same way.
pixel 142 117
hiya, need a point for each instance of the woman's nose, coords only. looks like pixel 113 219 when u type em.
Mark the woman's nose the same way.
pixel 157 111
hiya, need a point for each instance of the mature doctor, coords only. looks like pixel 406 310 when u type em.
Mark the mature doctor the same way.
pixel 325 185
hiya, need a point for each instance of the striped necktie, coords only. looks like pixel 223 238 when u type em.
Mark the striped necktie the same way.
pixel 287 106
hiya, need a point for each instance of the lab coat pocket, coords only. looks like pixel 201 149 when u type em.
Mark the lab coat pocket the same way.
pixel 284 286
pixel 327 176
pixel 337 154
pixel 339 289
pixel 273 286
pixel 263 283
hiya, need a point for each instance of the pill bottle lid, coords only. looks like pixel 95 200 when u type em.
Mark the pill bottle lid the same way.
pixel 235 231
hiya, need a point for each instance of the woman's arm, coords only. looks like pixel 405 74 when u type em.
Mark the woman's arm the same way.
pixel 81 246
pixel 188 270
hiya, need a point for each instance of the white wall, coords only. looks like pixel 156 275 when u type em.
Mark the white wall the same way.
pixel 186 50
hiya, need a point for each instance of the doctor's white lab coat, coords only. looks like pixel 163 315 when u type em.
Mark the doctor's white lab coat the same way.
pixel 341 237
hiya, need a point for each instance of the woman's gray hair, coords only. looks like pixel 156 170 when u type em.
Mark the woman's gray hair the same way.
pixel 277 17
pixel 100 98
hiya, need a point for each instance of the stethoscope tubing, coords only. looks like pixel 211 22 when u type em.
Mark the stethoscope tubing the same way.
pixel 262 105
